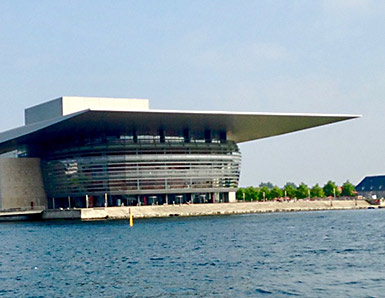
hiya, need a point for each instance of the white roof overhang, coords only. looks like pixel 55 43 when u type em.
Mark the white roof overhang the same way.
pixel 240 127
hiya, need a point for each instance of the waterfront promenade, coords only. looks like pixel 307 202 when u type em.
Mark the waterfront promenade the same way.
pixel 203 209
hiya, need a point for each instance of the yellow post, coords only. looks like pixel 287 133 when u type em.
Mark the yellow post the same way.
pixel 131 219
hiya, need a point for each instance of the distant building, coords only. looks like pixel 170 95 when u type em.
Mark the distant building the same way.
pixel 97 152
pixel 372 187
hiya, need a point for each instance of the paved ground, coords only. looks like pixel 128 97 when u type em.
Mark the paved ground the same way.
pixel 217 209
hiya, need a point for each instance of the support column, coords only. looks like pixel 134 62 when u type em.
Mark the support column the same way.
pixel 162 135
pixel 134 136
pixel 222 136
pixel 208 136
pixel 186 135
pixel 232 197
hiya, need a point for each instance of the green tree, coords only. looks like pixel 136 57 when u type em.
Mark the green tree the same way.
pixel 264 193
pixel 268 184
pixel 348 189
pixel 251 193
pixel 240 194
pixel 276 192
pixel 302 191
pixel 329 189
pixel 290 190
pixel 317 191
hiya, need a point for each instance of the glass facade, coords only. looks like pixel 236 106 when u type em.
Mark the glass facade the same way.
pixel 141 170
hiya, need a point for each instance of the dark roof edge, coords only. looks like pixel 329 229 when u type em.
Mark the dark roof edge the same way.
pixel 33 127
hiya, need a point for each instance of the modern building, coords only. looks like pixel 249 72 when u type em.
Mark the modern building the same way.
pixel 372 187
pixel 95 152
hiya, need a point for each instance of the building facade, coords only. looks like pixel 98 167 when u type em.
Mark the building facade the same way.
pixel 372 187
pixel 98 152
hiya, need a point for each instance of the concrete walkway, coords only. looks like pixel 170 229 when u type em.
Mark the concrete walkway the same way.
pixel 218 209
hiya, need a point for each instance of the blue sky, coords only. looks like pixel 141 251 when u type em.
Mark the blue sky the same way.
pixel 258 56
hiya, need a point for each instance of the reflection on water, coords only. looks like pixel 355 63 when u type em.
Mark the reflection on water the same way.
pixel 307 254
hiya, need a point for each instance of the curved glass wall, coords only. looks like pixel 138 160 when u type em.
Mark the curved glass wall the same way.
pixel 146 165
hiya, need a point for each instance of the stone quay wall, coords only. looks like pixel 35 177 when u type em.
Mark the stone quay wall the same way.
pixel 218 209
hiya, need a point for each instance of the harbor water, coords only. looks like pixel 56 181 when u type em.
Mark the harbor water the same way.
pixel 312 254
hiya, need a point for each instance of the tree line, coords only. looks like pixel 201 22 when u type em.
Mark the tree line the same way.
pixel 268 191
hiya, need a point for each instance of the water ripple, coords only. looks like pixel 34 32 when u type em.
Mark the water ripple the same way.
pixel 277 254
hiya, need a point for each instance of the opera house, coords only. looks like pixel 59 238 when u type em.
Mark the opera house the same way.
pixel 101 152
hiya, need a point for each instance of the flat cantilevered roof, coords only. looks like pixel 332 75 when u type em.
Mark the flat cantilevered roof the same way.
pixel 240 127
